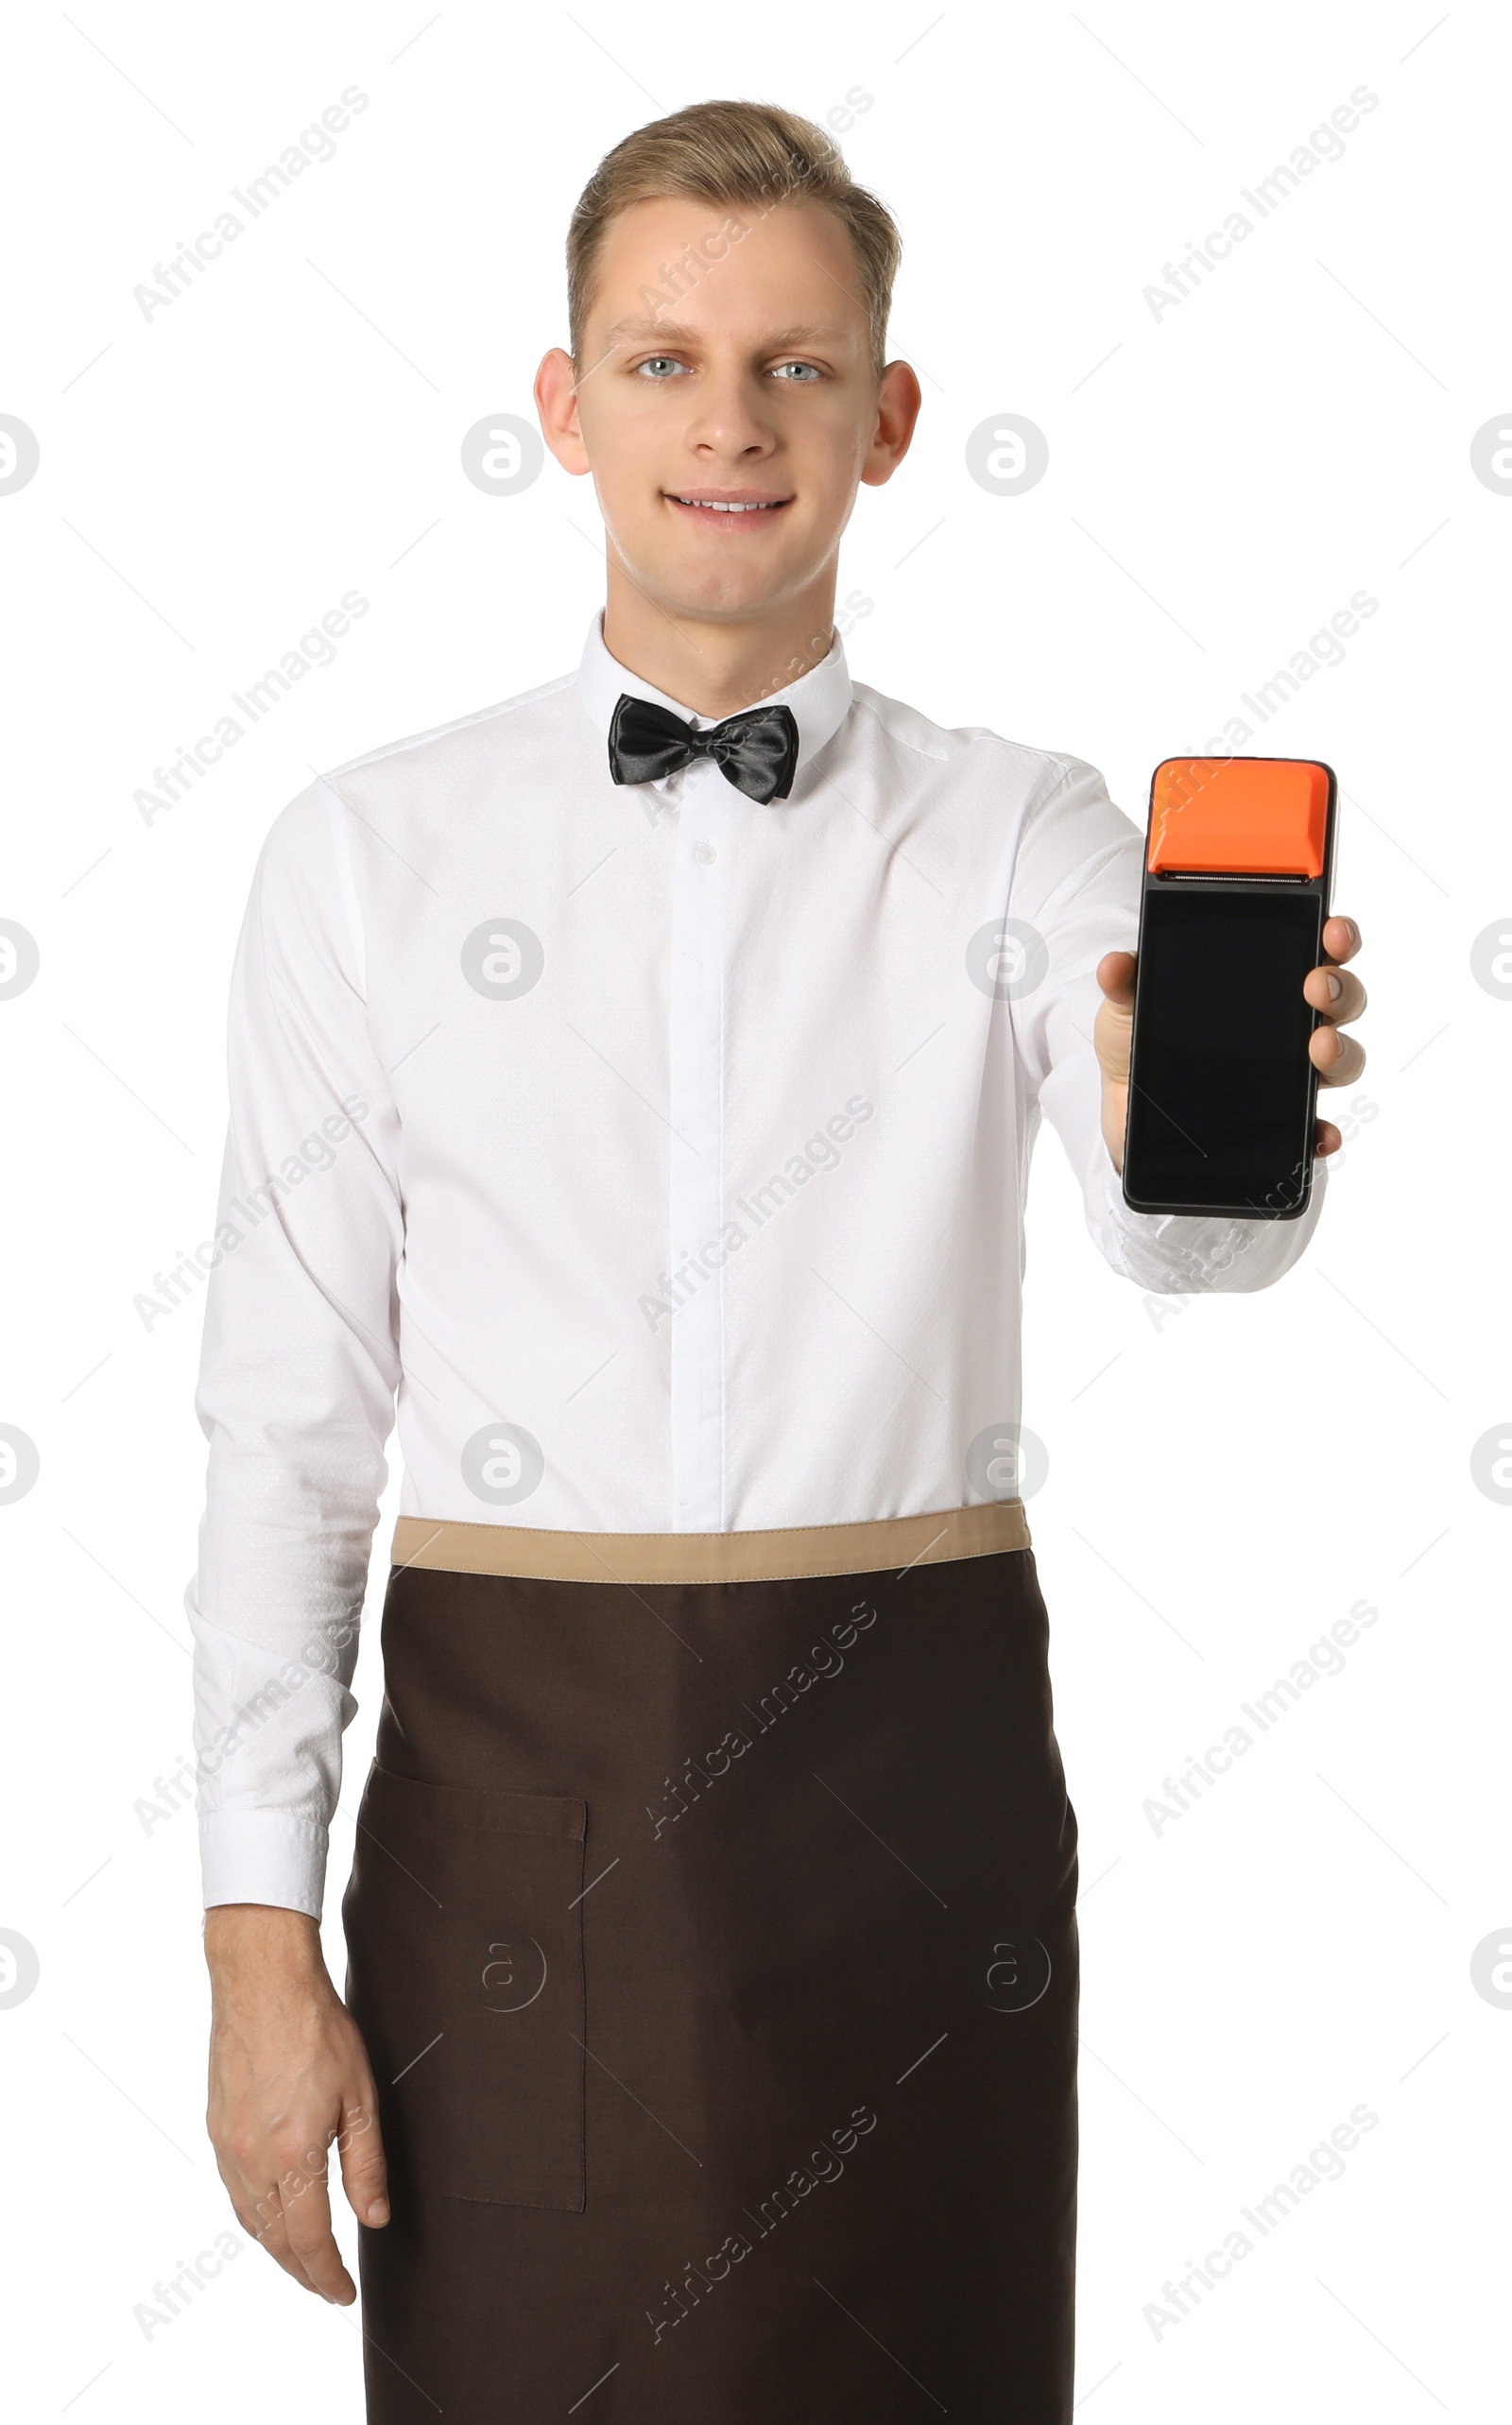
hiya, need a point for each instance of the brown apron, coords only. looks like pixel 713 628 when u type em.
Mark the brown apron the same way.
pixel 715 1946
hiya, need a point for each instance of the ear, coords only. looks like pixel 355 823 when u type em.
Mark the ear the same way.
pixel 900 399
pixel 555 395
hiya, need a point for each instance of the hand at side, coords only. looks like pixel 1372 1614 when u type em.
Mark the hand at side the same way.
pixel 289 2076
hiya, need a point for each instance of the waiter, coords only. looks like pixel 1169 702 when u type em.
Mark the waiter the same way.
pixel 640 1078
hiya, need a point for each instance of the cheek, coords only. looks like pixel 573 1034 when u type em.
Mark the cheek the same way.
pixel 622 426
pixel 624 470
pixel 826 459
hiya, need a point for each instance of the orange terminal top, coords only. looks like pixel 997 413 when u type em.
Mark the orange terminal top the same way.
pixel 1255 816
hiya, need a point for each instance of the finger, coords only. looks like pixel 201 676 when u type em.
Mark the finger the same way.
pixel 1327 1139
pixel 268 2228
pixel 1341 937
pixel 307 2221
pixel 1115 974
pixel 1338 1059
pixel 364 2172
pixel 1334 992
pixel 260 2217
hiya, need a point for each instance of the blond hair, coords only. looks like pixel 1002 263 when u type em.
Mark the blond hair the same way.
pixel 742 155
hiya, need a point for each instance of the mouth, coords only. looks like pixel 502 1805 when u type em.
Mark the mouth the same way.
pixel 732 508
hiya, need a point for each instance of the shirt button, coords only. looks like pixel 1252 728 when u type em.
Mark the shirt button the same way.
pixel 704 853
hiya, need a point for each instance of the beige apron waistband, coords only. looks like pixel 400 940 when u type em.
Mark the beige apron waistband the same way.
pixel 784 1552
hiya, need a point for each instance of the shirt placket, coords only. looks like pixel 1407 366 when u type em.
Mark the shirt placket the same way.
pixel 696 1148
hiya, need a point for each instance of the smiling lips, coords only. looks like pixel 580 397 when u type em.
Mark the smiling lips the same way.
pixel 744 506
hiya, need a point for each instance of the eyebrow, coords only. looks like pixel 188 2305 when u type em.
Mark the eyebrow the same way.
pixel 678 334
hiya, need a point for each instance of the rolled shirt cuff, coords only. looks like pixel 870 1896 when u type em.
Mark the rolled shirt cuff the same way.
pixel 263 1857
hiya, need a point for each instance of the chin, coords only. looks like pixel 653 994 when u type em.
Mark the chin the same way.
pixel 713 591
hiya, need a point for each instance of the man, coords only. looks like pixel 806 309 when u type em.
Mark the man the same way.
pixel 620 1074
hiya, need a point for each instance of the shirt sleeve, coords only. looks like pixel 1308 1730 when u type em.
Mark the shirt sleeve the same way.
pixel 1075 894
pixel 298 1367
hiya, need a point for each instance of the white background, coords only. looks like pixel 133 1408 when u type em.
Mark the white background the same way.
pixel 1228 1477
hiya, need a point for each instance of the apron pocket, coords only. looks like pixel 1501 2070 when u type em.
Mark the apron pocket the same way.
pixel 465 1974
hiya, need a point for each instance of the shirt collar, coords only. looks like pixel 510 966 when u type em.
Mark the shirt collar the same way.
pixel 819 699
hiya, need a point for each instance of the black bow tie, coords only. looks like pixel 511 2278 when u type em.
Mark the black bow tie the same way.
pixel 756 750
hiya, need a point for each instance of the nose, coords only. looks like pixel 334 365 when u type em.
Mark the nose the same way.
pixel 729 420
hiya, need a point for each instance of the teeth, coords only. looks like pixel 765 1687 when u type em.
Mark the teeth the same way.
pixel 711 506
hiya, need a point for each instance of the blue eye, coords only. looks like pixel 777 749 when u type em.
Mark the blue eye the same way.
pixel 807 367
pixel 658 359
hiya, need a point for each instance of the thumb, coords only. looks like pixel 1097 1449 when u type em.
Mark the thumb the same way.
pixel 363 2173
pixel 1113 1028
pixel 1115 974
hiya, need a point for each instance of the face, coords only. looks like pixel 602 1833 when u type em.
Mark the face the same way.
pixel 749 385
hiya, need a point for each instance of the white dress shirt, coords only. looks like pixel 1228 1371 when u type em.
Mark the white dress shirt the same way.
pixel 666 1151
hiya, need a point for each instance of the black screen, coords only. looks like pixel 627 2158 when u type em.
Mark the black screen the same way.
pixel 1219 1098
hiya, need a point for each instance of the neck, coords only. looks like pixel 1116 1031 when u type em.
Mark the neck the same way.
pixel 717 667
